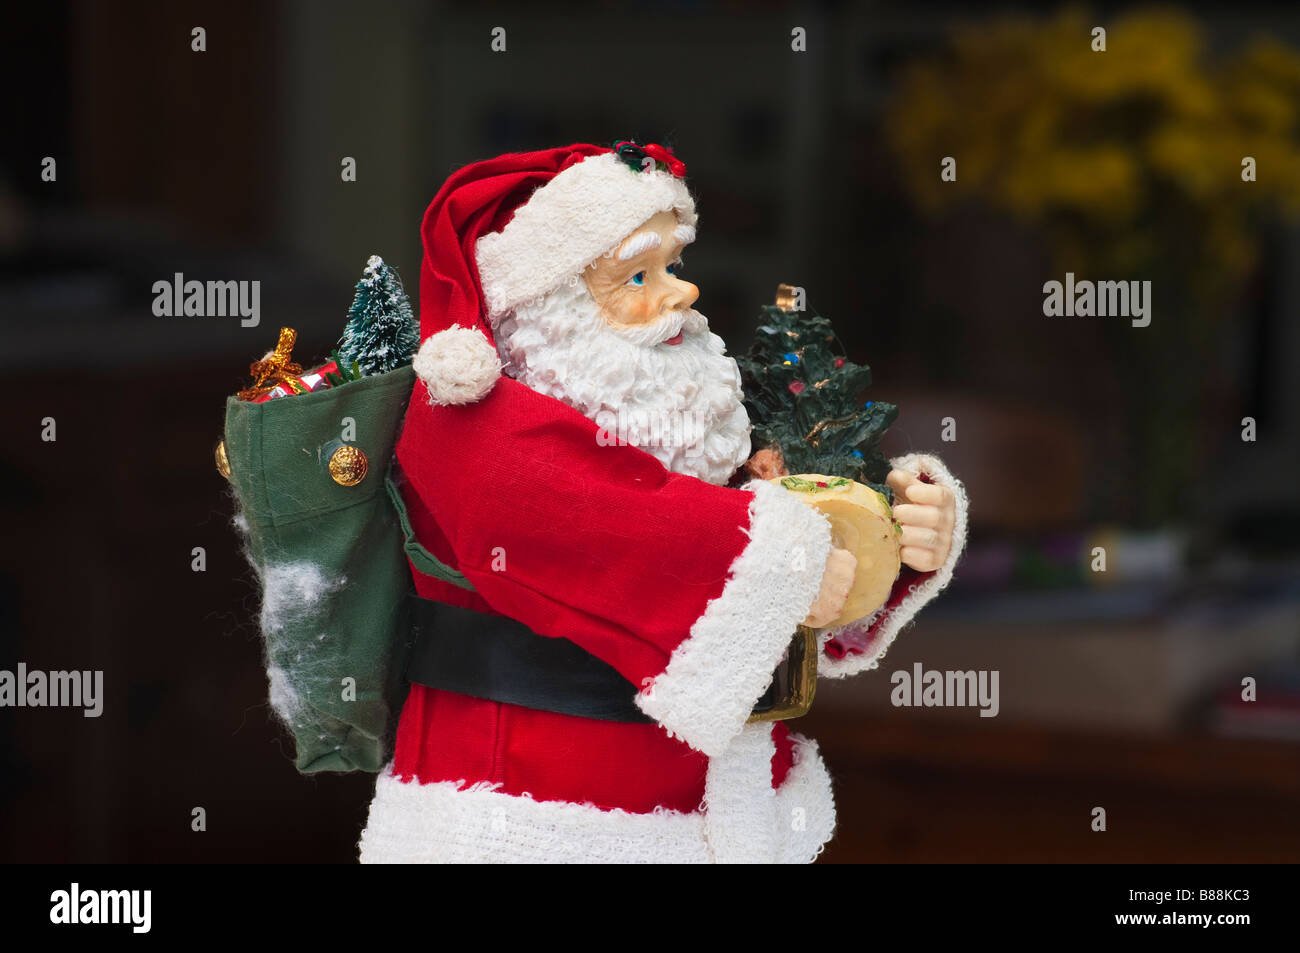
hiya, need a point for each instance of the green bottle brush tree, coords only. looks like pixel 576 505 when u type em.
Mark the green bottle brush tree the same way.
pixel 804 398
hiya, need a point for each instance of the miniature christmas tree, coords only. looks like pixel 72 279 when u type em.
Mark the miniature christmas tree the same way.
pixel 803 398
pixel 381 333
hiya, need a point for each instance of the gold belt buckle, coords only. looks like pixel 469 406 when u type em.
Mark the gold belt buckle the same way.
pixel 793 683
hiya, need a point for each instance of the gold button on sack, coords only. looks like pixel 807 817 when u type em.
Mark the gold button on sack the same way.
pixel 223 464
pixel 348 466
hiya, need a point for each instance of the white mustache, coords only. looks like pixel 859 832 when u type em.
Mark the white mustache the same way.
pixel 688 321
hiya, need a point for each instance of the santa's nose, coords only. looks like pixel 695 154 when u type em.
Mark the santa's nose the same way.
pixel 681 295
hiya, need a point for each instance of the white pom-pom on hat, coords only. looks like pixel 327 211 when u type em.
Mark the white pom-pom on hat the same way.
pixel 458 365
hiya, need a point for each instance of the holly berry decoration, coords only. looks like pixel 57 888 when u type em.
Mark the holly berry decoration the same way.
pixel 382 333
pixel 804 398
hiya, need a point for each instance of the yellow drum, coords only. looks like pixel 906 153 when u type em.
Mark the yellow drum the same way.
pixel 861 522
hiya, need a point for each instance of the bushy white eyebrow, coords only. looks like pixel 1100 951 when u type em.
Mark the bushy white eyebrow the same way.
pixel 642 241
pixel 684 234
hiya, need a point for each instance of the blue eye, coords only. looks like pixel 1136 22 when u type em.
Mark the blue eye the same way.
pixel 638 278
pixel 675 267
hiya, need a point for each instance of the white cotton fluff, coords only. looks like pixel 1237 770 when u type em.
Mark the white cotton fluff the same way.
pixel 290 591
pixel 458 366
pixel 291 594
pixel 284 697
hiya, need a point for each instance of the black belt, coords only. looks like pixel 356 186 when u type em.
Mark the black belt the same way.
pixel 496 658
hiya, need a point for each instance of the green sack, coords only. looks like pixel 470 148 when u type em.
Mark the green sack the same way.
pixel 332 563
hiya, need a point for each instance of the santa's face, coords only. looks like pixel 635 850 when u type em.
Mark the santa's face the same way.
pixel 643 366
pixel 639 281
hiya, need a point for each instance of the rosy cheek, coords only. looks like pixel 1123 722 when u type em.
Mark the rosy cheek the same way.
pixel 641 311
pixel 626 309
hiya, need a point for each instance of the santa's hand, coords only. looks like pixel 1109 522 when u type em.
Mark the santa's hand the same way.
pixel 837 580
pixel 927 513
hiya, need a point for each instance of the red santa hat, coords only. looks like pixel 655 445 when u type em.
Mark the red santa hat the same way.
pixel 509 230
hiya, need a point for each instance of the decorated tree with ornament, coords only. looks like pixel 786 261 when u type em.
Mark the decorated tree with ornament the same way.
pixel 804 399
pixel 381 333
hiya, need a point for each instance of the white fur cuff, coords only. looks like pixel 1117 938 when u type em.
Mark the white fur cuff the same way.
pixel 458 365
pixel 920 593
pixel 714 677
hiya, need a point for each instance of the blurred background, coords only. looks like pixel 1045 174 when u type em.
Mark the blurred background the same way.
pixel 1120 689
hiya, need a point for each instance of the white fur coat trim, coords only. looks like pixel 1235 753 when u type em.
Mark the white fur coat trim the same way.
pixel 450 823
pixel 568 223
pixel 920 593
pixel 715 675
pixel 749 822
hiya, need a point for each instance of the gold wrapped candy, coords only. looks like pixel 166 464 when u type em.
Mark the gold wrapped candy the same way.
pixel 275 368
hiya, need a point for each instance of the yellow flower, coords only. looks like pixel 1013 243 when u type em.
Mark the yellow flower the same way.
pixel 1112 152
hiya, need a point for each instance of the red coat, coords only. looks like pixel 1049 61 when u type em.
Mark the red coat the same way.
pixel 691 591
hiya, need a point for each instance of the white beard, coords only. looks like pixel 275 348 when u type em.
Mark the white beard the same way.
pixel 681 403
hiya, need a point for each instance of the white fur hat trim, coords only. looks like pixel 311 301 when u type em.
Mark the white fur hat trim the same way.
pixel 568 223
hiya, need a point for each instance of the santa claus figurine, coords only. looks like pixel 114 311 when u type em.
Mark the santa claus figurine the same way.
pixel 611 610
